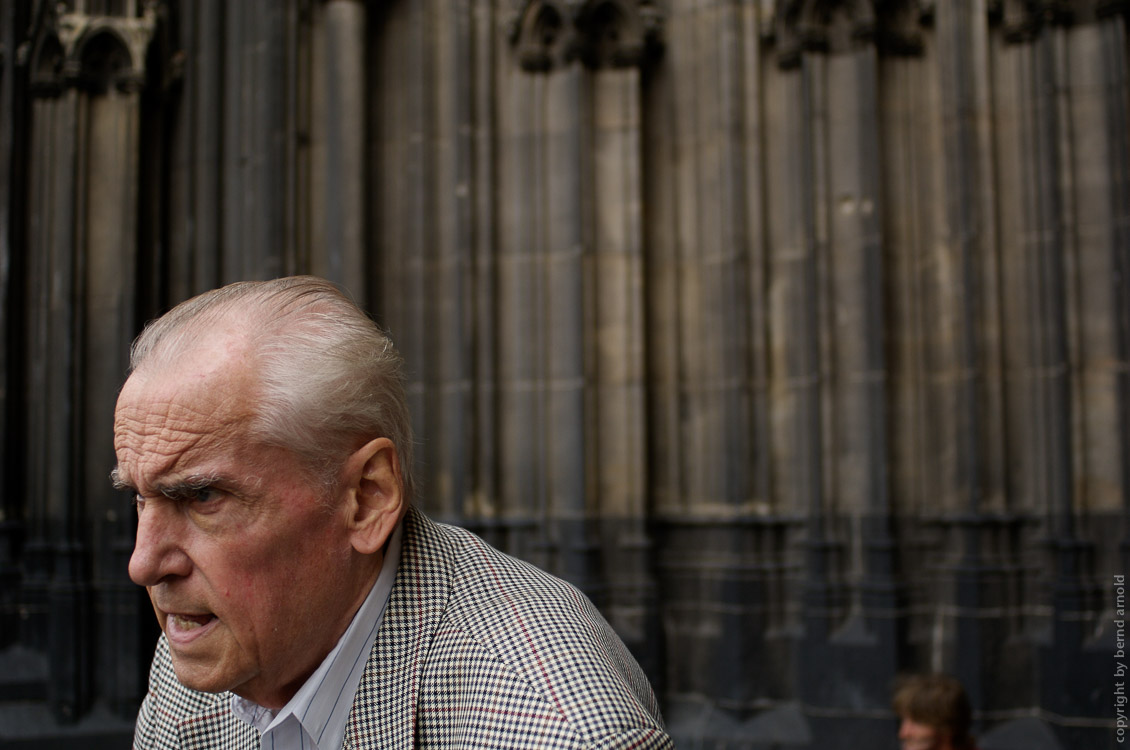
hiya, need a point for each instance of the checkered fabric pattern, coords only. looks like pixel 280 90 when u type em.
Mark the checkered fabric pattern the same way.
pixel 477 650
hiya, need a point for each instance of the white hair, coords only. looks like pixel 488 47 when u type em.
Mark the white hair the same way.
pixel 328 378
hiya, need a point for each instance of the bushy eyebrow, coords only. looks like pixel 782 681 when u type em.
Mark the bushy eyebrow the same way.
pixel 117 481
pixel 189 486
pixel 175 490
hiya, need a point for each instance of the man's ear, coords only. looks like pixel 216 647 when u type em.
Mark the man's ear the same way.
pixel 375 494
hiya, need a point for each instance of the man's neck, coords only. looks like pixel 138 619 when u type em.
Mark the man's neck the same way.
pixel 275 697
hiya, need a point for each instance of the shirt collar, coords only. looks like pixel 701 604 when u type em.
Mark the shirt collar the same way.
pixel 323 703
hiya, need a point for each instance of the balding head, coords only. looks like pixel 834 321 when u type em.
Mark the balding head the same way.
pixel 327 379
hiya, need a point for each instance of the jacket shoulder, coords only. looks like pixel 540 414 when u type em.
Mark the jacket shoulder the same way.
pixel 533 652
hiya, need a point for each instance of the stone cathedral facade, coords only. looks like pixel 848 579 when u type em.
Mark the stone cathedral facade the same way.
pixel 795 332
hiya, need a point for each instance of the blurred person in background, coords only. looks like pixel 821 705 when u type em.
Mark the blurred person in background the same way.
pixel 934 713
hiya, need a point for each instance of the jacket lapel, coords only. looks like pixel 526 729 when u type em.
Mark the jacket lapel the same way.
pixel 384 711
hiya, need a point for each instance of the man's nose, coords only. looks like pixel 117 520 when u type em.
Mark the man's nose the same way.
pixel 158 552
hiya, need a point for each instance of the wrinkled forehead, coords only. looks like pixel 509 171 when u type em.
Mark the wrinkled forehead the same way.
pixel 185 414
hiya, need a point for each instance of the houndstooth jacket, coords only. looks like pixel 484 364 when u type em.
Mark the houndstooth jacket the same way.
pixel 477 650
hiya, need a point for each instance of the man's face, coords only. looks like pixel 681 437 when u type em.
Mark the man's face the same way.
pixel 252 578
pixel 915 736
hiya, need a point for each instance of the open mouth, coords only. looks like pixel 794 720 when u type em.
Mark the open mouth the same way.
pixel 191 622
pixel 182 628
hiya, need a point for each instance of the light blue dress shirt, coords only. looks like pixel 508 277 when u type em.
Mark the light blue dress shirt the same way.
pixel 316 717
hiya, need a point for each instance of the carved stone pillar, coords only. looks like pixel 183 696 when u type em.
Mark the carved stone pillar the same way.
pixel 1064 168
pixel 827 269
pixel 574 250
pixel 86 73
pixel 431 145
pixel 242 161
pixel 11 505
pixel 963 344
pixel 337 144
pixel 710 358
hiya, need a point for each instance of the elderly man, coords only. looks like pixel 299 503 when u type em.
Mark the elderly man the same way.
pixel 305 604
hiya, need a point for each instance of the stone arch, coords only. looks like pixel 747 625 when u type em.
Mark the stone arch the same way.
pixel 104 58
pixel 1022 20
pixel 602 33
pixel 838 26
pixel 543 36
pixel 615 33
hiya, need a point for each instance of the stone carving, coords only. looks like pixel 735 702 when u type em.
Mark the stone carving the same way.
pixel 94 52
pixel 1021 20
pixel 616 34
pixel 549 34
pixel 541 37
pixel 838 26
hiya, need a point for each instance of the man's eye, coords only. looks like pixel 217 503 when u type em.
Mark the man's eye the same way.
pixel 203 495
pixel 193 495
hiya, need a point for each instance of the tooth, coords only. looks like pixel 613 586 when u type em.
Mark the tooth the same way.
pixel 184 623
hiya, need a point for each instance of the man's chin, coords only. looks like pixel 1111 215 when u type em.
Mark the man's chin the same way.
pixel 205 675
pixel 195 678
